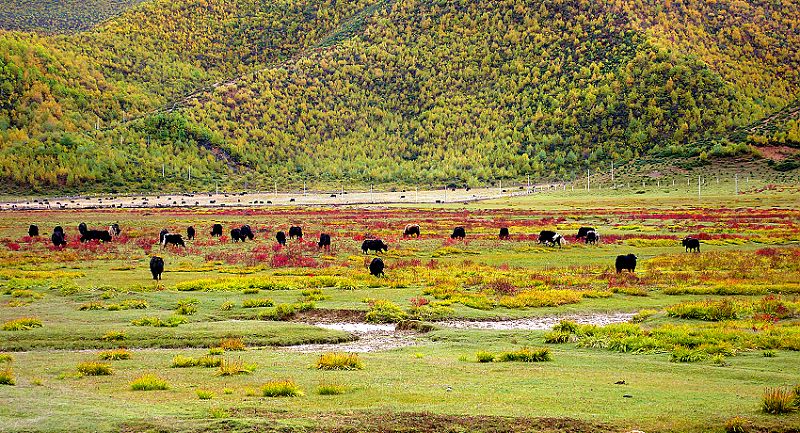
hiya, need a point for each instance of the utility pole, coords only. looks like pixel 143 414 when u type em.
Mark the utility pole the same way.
pixel 163 170
pixel 698 188
pixel 276 187
pixel 304 187
pixel 190 173
pixel 612 172
pixel 529 184
pixel 587 180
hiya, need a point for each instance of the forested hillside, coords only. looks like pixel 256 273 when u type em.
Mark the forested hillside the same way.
pixel 388 91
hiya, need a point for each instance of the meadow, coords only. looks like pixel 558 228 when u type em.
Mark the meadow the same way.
pixel 230 340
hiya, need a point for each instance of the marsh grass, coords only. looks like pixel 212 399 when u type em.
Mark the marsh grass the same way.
pixel 232 344
pixel 339 361
pixel 483 356
pixel 778 401
pixel 281 388
pixel 94 368
pixel 180 361
pixel 22 324
pixel 153 321
pixel 230 367
pixel 149 382
pixel 7 376
pixel 187 306
pixel 115 355
pixel 6 357
pixel 331 389
pixel 737 424
pixel 525 355
pixel 216 351
pixel 382 311
pixel 204 394
pixel 257 303
pixel 114 336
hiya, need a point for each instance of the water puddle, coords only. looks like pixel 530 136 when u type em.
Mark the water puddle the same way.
pixel 380 337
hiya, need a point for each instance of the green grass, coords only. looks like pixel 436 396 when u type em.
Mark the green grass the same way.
pixel 149 382
pixel 281 388
pixel 525 355
pixel 94 368
pixel 114 355
pixel 331 389
pixel 339 361
pixel 22 324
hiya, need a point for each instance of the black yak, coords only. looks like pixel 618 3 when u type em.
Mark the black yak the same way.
pixel 236 235
pixel 591 237
pixel 627 262
pixel 247 232
pixel 58 239
pixel 99 235
pixel 691 244
pixel 324 241
pixel 411 230
pixel 551 238
pixel 156 267
pixel 281 238
pixel 173 239
pixel 33 230
pixel 504 233
pixel 458 233
pixel 114 230
pixel 583 231
pixel 216 230
pixel 295 232
pixel 376 267
pixel 376 245
pixel 161 235
pixel 190 233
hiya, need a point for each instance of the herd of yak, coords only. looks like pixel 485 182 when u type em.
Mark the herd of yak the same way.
pixel 547 237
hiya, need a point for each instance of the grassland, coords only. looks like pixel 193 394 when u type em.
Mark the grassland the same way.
pixel 680 372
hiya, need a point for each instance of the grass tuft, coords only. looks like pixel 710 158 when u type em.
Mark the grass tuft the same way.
pixel 281 388
pixel 115 354
pixel 232 344
pixel 22 324
pixel 149 382
pixel 736 424
pixel 339 361
pixel 204 395
pixel 180 361
pixel 526 355
pixel 113 336
pixel 7 376
pixel 94 368
pixel 5 357
pixel 331 389
pixel 257 303
pixel 229 367
pixel 778 401
pixel 484 356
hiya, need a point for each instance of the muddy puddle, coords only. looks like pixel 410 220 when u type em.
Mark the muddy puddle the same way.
pixel 380 337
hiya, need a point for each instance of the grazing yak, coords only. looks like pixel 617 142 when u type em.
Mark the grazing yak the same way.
pixel 92 235
pixel 161 235
pixel 58 239
pixel 691 244
pixel 551 238
pixel 156 267
pixel 458 233
pixel 236 235
pixel 216 230
pixel 33 230
pixel 190 233
pixel 281 238
pixel 504 233
pixel 59 229
pixel 627 262
pixel 114 230
pixel 376 267
pixel 173 239
pixel 591 237
pixel 376 245
pixel 247 232
pixel 295 232
pixel 324 241
pixel 411 230
pixel 583 231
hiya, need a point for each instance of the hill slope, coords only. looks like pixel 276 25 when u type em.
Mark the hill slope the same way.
pixel 387 91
